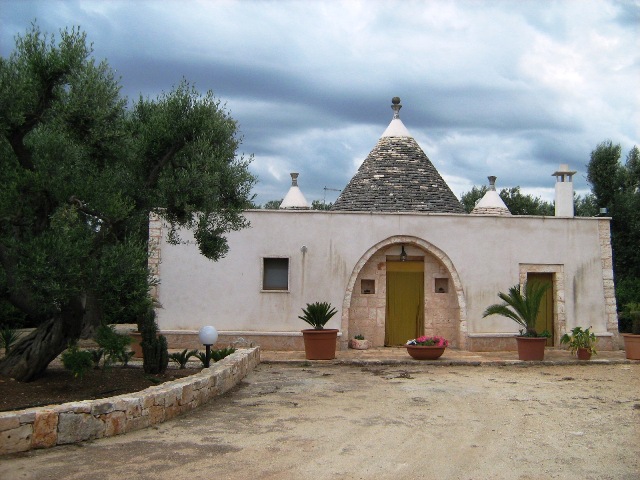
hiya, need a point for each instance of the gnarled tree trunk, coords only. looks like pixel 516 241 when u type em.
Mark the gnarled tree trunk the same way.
pixel 31 356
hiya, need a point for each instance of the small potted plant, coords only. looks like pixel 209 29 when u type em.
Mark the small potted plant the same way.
pixel 426 348
pixel 581 342
pixel 632 339
pixel 359 343
pixel 319 343
pixel 523 309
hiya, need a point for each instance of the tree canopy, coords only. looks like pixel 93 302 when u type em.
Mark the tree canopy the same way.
pixel 517 202
pixel 616 187
pixel 81 171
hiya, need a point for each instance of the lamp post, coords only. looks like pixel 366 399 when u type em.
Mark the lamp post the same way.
pixel 208 336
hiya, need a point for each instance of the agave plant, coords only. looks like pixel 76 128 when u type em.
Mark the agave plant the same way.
pixel 181 358
pixel 520 307
pixel 317 314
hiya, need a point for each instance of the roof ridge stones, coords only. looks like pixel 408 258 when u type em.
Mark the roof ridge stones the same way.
pixel 397 176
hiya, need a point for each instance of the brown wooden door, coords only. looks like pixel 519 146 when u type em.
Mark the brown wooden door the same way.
pixel 405 302
pixel 545 315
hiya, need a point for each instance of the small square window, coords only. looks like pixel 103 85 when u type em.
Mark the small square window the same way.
pixel 367 287
pixel 441 285
pixel 275 274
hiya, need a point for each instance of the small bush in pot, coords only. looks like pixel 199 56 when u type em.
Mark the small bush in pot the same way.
pixel 581 340
pixel 522 306
pixel 319 343
pixel 317 314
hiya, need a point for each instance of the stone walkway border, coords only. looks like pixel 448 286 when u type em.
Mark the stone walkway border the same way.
pixel 74 422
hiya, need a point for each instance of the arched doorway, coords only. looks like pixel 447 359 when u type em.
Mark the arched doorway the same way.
pixel 365 305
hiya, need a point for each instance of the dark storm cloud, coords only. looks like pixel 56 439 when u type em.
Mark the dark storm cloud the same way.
pixel 511 89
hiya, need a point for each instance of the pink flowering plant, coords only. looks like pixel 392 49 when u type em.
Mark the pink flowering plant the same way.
pixel 435 341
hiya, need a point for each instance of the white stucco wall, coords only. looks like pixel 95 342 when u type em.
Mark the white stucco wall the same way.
pixel 486 252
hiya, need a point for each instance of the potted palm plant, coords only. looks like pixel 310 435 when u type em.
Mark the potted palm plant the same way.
pixel 319 343
pixel 523 309
pixel 632 340
pixel 582 342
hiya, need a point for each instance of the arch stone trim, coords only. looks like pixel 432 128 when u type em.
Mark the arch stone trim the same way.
pixel 424 245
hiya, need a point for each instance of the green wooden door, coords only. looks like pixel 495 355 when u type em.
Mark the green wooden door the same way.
pixel 405 302
pixel 545 314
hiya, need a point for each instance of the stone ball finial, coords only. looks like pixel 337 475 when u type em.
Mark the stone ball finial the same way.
pixel 395 100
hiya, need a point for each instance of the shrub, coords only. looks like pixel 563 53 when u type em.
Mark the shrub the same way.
pixel 8 337
pixel 78 361
pixel 114 344
pixel 183 357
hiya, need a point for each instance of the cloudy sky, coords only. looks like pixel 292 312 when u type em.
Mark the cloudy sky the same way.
pixel 505 88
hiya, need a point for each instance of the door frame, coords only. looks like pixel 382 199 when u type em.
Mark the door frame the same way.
pixel 559 311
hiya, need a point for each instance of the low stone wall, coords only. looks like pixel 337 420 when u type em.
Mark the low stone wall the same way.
pixel 45 427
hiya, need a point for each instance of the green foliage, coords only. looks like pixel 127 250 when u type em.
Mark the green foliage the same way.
pixel 114 345
pixel 317 314
pixel 215 355
pixel 616 186
pixel 517 202
pixel 124 357
pixel 183 357
pixel 8 337
pixel 202 356
pixel 629 318
pixel 318 205
pixel 81 173
pixel 272 204
pixel 220 353
pixel 78 361
pixel 580 338
pixel 96 357
pixel 154 347
pixel 359 337
pixel 521 307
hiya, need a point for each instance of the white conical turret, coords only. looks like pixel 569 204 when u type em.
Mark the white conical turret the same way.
pixel 294 198
pixel 491 203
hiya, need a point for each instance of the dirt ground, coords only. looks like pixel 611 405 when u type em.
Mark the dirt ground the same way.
pixel 58 385
pixel 381 422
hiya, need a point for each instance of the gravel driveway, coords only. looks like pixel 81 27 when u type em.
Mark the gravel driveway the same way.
pixel 381 422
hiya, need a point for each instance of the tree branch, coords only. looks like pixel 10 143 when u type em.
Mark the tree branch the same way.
pixel 154 175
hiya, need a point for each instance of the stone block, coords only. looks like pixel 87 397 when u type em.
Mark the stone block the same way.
pixel 102 407
pixel 77 427
pixel 137 423
pixel 77 407
pixel 27 416
pixel 156 414
pixel 9 421
pixel 16 439
pixel 115 423
pixel 45 429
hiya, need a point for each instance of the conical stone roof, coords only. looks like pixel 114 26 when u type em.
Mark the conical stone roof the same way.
pixel 397 176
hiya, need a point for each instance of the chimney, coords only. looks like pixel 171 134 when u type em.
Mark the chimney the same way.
pixel 564 191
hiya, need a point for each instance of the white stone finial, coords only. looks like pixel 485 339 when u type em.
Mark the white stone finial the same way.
pixel 294 179
pixel 492 182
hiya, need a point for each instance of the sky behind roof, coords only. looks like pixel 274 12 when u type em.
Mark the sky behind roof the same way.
pixel 505 88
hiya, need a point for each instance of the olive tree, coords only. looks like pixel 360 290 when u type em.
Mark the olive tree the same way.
pixel 81 171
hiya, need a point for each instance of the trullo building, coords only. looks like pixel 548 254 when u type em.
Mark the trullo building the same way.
pixel 397 256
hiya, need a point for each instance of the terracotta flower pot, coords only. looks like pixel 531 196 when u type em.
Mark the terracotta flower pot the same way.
pixel 135 344
pixel 320 344
pixel 425 352
pixel 359 344
pixel 531 348
pixel 632 346
pixel 584 354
